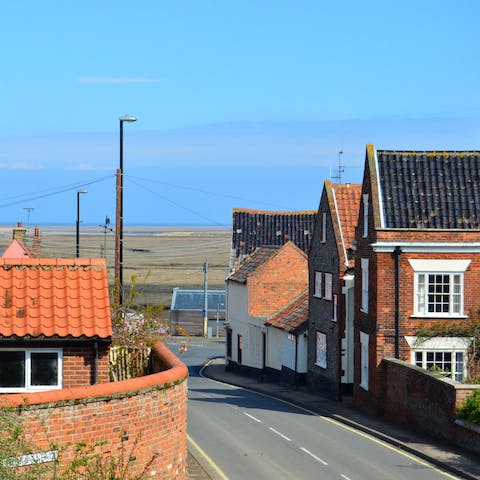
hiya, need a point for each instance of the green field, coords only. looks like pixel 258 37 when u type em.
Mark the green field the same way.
pixel 169 256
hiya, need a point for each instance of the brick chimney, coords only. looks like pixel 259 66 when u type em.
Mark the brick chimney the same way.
pixel 36 243
pixel 20 233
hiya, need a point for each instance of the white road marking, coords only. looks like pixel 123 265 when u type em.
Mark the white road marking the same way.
pixel 345 477
pixel 280 434
pixel 323 462
pixel 252 417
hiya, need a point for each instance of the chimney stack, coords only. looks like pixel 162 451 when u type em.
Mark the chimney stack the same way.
pixel 36 243
pixel 20 233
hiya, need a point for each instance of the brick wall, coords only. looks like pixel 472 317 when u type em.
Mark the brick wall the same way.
pixel 78 365
pixel 427 402
pixel 148 413
pixel 278 281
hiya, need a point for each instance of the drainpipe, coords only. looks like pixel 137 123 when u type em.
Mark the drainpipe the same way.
pixel 296 360
pixel 95 363
pixel 396 254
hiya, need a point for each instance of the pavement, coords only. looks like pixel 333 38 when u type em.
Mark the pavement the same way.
pixel 441 454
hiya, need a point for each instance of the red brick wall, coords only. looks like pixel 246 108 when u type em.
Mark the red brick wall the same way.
pixel 427 402
pixel 149 413
pixel 278 281
pixel 78 365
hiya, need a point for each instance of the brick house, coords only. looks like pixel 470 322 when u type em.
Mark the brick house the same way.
pixel 265 282
pixel 55 323
pixel 417 263
pixel 331 287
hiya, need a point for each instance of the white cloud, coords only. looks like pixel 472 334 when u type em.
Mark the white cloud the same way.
pixel 21 166
pixel 84 167
pixel 118 80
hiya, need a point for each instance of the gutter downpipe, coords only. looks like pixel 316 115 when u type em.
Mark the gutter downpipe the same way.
pixel 95 363
pixel 296 361
pixel 396 253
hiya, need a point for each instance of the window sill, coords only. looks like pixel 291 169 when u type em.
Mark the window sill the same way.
pixel 321 366
pixel 443 317
pixel 317 296
pixel 363 311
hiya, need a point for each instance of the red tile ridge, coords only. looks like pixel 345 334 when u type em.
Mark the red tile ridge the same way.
pixel 61 262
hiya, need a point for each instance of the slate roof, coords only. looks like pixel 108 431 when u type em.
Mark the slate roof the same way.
pixel 54 297
pixel 294 317
pixel 257 228
pixel 252 262
pixel 430 189
pixel 194 299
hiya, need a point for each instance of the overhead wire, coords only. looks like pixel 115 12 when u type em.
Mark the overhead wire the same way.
pixel 52 192
pixel 187 209
pixel 208 192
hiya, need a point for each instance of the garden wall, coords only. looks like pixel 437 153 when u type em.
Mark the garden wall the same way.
pixel 144 417
pixel 427 402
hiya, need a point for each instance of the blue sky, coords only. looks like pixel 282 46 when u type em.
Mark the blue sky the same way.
pixel 239 103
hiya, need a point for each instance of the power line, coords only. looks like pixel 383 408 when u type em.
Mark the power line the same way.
pixel 214 222
pixel 52 192
pixel 215 194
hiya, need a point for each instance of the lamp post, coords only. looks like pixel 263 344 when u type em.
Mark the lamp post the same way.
pixel 79 192
pixel 119 217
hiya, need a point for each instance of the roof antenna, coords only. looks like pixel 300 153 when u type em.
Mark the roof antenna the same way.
pixel 341 167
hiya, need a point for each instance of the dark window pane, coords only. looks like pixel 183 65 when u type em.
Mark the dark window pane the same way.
pixel 44 369
pixel 12 369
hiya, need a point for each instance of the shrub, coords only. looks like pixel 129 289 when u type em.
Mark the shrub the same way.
pixel 470 410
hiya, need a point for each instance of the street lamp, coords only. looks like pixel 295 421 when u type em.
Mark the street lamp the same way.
pixel 119 217
pixel 79 192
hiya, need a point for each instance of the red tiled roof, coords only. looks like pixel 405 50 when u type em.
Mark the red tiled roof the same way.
pixel 64 297
pixel 17 250
pixel 346 202
pixel 252 262
pixel 294 317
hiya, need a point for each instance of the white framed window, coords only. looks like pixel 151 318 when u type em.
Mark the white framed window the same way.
pixel 438 287
pixel 365 215
pixel 318 285
pixel 321 350
pixel 439 294
pixel 35 369
pixel 364 264
pixel 324 227
pixel 446 355
pixel 364 360
pixel 328 286
pixel 335 307
pixel 450 364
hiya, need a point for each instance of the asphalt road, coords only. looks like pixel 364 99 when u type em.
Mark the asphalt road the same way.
pixel 251 436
